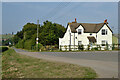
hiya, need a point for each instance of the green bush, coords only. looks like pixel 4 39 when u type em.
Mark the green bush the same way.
pixel 2 49
pixel 80 47
pixel 28 44
pixel 113 46
pixel 88 47
pixel 95 48
pixel 65 47
pixel 20 44
pixel 39 47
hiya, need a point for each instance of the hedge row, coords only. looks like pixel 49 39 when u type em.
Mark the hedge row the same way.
pixel 2 49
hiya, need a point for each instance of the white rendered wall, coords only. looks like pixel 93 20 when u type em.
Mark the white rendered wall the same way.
pixel 107 37
pixel 83 37
pixel 66 39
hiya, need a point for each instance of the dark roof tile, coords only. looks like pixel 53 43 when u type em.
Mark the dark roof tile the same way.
pixel 88 27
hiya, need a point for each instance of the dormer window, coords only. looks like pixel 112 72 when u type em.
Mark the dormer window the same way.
pixel 104 32
pixel 79 31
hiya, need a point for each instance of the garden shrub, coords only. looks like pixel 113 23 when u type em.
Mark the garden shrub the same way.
pixel 60 48
pixel 95 48
pixel 113 46
pixel 88 47
pixel 80 47
pixel 65 47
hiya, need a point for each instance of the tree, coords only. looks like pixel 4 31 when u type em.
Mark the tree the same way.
pixel 49 34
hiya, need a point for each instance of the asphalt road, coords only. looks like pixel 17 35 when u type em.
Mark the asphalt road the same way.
pixel 105 63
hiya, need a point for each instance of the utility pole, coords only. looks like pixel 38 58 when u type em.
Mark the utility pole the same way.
pixel 37 34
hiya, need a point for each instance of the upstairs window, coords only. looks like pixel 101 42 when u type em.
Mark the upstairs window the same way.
pixel 79 31
pixel 104 31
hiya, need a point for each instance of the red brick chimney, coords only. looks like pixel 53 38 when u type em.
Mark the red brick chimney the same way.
pixel 105 21
pixel 75 20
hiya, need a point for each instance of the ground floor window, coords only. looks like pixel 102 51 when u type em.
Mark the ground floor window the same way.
pixel 104 42
pixel 79 42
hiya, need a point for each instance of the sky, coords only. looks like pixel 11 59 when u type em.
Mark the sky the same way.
pixel 16 14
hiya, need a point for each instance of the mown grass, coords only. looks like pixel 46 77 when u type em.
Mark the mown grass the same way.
pixel 15 65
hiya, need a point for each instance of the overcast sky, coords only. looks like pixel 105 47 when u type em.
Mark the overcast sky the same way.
pixel 16 14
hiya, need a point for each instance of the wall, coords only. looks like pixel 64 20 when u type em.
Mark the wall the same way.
pixel 107 37
pixel 83 37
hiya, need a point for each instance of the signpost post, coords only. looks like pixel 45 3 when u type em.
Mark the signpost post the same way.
pixel 37 34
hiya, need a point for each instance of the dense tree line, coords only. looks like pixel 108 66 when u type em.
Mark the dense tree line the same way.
pixel 49 34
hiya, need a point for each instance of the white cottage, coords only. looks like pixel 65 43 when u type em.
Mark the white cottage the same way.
pixel 86 34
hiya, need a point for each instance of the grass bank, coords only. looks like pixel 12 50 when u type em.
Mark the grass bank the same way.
pixel 15 65
pixel 0 66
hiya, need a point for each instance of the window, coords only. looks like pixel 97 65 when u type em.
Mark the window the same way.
pixel 90 33
pixel 79 31
pixel 104 43
pixel 104 31
pixel 79 42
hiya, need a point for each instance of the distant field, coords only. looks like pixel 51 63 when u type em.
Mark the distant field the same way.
pixel 15 65
pixel 6 36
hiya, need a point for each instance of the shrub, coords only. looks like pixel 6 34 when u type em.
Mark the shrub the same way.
pixel 20 44
pixel 28 44
pixel 2 49
pixel 95 48
pixel 60 48
pixel 88 47
pixel 39 47
pixel 113 47
pixel 80 47
pixel 65 47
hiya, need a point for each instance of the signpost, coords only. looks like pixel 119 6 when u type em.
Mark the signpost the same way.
pixel 37 34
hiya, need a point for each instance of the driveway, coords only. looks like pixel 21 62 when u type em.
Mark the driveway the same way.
pixel 105 63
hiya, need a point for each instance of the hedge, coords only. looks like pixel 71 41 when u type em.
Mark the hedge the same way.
pixel 2 49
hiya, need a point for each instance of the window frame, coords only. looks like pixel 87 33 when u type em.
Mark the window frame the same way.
pixel 79 31
pixel 105 32
pixel 105 42
pixel 80 42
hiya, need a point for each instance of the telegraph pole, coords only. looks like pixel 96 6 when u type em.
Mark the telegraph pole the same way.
pixel 37 34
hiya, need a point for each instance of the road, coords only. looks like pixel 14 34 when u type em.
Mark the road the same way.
pixel 105 63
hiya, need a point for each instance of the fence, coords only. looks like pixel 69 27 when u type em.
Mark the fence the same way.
pixel 45 48
pixel 90 47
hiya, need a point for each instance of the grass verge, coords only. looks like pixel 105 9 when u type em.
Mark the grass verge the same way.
pixel 15 65
pixel 0 66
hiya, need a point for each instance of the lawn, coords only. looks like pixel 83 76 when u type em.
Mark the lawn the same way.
pixel 15 65
pixel 0 66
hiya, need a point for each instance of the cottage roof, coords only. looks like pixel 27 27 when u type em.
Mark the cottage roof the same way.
pixel 88 27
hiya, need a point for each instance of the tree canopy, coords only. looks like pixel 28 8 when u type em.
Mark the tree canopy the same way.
pixel 49 34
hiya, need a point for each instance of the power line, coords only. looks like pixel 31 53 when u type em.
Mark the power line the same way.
pixel 54 11
pixel 66 12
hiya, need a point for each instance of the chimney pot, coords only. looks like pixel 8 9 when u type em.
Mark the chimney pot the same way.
pixel 105 21
pixel 75 20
